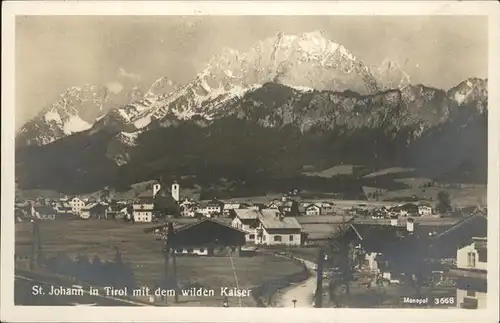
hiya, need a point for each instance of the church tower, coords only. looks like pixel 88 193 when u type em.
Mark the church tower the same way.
pixel 156 188
pixel 175 191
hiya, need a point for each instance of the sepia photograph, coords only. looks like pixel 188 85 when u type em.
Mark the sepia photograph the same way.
pixel 320 161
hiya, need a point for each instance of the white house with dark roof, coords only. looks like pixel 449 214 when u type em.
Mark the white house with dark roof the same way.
pixel 275 229
pixel 471 272
pixel 424 210
pixel 143 209
pixel 246 220
pixel 77 204
pixel 211 208
pixel 313 210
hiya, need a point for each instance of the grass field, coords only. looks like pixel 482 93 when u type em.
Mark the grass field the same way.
pixel 460 197
pixel 333 171
pixel 144 253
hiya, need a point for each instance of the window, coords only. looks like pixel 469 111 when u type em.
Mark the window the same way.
pixel 251 236
pixel 290 237
pixel 277 238
pixel 471 293
pixel 202 250
pixel 471 259
pixel 264 238
pixel 190 250
pixel 482 255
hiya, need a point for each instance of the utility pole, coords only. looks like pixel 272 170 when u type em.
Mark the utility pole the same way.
pixel 172 247
pixel 166 258
pixel 318 303
pixel 36 246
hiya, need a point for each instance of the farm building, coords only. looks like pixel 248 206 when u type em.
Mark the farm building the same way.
pixel 444 244
pixel 208 237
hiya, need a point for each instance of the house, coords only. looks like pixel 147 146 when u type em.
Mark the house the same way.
pixel 188 208
pixel 230 206
pixel 286 206
pixel 389 250
pixel 246 220
pixel 399 211
pixel 471 274
pixel 76 203
pixel 326 207
pixel 409 209
pixel 143 209
pixel 115 211
pixel 211 208
pixel 313 210
pixel 93 210
pixel 63 208
pixel 275 229
pixel 43 212
pixel 20 214
pixel 424 210
pixel 444 244
pixel 208 237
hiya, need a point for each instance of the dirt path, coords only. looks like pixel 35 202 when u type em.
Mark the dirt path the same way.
pixel 302 292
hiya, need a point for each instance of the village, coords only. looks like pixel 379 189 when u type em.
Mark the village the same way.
pixel 405 248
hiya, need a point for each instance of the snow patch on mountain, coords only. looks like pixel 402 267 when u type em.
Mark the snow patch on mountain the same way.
pixel 75 124
pixel 129 138
pixel 53 116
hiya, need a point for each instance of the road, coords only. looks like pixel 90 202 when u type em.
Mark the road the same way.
pixel 302 292
pixel 23 294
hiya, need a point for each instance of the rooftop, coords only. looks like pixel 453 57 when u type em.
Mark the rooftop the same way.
pixel 277 222
pixel 247 214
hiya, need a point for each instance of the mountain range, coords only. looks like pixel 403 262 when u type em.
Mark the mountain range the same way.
pixel 290 101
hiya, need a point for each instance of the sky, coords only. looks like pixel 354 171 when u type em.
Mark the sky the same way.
pixel 57 52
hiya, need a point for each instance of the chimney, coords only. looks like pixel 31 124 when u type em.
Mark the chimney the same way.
pixel 394 221
pixel 410 225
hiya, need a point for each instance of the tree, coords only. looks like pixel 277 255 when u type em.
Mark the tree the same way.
pixel 443 204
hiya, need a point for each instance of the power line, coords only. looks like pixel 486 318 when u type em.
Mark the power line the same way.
pixel 235 274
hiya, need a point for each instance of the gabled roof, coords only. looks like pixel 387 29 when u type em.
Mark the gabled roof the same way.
pixel 270 212
pixel 90 206
pixel 187 226
pixel 42 209
pixel 277 222
pixel 247 214
pixel 473 221
pixel 144 200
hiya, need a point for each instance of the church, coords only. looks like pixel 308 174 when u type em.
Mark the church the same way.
pixel 159 203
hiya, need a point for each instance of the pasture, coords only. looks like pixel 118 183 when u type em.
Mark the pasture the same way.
pixel 143 252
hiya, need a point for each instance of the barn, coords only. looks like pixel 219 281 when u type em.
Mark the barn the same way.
pixel 207 237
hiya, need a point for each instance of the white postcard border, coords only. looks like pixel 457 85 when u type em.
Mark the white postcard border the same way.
pixel 11 313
